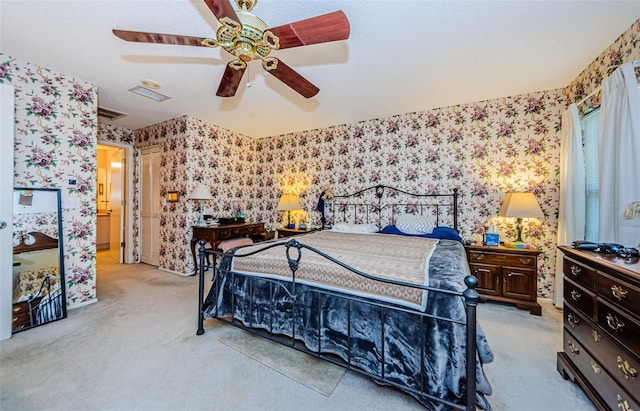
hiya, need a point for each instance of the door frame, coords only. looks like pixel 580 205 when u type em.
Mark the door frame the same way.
pixel 7 134
pixel 127 209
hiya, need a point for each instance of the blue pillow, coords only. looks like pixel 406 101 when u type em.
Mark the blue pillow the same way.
pixel 441 232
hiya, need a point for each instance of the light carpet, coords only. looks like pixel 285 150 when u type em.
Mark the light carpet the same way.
pixel 311 372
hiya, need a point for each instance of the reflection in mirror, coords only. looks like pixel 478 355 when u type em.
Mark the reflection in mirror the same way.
pixel 38 265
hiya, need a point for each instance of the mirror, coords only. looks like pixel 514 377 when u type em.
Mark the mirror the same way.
pixel 38 264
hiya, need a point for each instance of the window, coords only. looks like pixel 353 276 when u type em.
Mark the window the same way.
pixel 589 124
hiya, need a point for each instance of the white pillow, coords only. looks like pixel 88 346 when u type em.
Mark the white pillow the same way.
pixel 355 228
pixel 414 224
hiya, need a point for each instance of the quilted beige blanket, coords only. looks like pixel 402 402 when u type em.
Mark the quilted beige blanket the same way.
pixel 397 258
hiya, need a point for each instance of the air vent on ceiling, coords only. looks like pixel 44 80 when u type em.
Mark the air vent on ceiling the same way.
pixel 109 114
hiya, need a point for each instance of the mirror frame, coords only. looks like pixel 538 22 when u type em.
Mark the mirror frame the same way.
pixel 63 288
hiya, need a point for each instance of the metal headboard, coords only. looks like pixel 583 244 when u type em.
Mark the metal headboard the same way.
pixel 376 200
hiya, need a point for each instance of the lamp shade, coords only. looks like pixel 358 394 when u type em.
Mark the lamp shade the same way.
pixel 522 205
pixel 200 192
pixel 289 202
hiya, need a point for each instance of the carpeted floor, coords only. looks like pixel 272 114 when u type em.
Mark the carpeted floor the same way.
pixel 136 349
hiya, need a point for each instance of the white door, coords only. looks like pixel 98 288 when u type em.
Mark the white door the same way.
pixel 6 208
pixel 116 186
pixel 150 206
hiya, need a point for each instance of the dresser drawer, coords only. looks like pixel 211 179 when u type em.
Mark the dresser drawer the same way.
pixel 622 365
pixel 20 316
pixel 578 272
pixel 583 299
pixel 513 260
pixel 621 326
pixel 618 292
pixel 610 392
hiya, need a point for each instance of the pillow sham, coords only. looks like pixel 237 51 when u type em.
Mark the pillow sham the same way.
pixel 414 224
pixel 355 228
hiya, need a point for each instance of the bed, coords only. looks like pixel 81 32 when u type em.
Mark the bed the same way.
pixel 337 294
pixel 38 292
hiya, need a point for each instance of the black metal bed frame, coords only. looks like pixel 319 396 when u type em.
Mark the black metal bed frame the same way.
pixel 469 296
pixel 432 202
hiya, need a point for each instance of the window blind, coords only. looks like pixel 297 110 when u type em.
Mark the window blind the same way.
pixel 589 125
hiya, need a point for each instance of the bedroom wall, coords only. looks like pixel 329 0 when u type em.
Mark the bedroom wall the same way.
pixel 485 149
pixel 193 151
pixel 55 138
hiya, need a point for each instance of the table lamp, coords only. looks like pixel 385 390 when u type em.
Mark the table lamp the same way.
pixel 520 205
pixel 287 203
pixel 200 193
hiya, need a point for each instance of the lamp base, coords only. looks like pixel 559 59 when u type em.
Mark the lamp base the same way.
pixel 519 230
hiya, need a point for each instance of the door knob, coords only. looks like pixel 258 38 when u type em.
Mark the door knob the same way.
pixel 3 224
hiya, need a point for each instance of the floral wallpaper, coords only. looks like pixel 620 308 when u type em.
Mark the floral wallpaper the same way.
pixel 625 49
pixel 55 139
pixel 193 151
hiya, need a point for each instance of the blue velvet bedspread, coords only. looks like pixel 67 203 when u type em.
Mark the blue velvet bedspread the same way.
pixel 396 355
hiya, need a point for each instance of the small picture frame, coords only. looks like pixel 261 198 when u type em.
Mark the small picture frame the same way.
pixel 492 239
pixel 173 196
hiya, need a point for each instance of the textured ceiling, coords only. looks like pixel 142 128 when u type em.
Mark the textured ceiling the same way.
pixel 402 56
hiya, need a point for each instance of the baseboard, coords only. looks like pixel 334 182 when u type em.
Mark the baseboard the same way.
pixel 82 304
pixel 174 272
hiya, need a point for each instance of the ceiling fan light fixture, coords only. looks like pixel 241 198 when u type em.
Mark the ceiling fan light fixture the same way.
pixel 148 93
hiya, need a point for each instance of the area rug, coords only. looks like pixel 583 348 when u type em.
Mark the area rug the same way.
pixel 311 372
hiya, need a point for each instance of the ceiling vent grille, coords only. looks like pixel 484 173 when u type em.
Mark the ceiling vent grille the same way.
pixel 109 114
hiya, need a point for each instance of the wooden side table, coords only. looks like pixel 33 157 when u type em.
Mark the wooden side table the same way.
pixel 506 275
pixel 216 233
pixel 290 232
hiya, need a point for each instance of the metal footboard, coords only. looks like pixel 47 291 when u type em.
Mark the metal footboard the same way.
pixel 294 292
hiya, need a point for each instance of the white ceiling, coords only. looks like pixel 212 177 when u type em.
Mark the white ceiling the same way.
pixel 402 56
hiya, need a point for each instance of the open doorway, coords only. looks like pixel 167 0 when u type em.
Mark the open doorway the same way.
pixel 110 202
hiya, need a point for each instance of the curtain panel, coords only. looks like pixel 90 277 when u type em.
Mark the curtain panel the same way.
pixel 571 212
pixel 619 156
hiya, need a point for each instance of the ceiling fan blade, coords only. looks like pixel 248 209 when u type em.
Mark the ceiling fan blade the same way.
pixel 320 29
pixel 294 80
pixel 143 37
pixel 221 9
pixel 230 82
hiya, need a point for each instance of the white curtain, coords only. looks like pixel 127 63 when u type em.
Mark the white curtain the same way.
pixel 619 156
pixel 571 213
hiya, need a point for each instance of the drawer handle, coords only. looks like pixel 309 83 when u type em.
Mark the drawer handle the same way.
pixel 478 256
pixel 17 309
pixel 572 320
pixel 627 370
pixel 525 261
pixel 613 322
pixel 574 350
pixel 596 335
pixel 575 270
pixel 14 319
pixel 619 293
pixel 623 405
pixel 575 295
pixel 595 367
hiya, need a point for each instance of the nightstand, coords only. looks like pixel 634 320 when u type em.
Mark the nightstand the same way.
pixel 290 232
pixel 506 274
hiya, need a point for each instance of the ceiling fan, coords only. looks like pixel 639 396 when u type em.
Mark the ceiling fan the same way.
pixel 247 37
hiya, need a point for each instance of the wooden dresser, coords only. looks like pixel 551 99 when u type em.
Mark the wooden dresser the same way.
pixel 601 335
pixel 506 274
